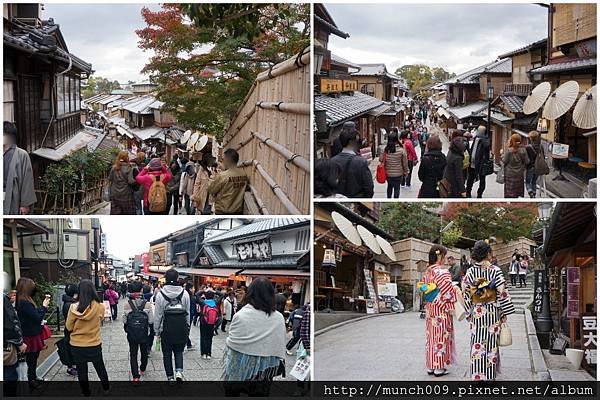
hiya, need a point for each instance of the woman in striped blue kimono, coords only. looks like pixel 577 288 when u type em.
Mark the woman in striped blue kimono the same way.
pixel 487 304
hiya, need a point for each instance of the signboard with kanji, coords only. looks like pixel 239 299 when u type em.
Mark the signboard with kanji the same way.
pixel 589 341
pixel 573 292
pixel 538 290
pixel 329 85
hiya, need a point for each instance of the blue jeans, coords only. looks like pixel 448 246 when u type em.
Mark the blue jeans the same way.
pixel 531 181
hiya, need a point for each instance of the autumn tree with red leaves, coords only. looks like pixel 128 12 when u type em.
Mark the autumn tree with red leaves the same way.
pixel 206 56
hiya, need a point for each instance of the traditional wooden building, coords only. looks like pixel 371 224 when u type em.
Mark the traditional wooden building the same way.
pixel 42 86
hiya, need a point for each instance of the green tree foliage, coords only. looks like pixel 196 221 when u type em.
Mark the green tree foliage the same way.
pixel 418 76
pixel 505 221
pixel 207 55
pixel 452 235
pixel 403 220
pixel 97 85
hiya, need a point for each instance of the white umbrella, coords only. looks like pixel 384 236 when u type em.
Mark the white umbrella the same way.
pixel 561 100
pixel 386 247
pixel 185 137
pixel 346 228
pixel 193 140
pixel 536 98
pixel 201 142
pixel 584 114
pixel 369 239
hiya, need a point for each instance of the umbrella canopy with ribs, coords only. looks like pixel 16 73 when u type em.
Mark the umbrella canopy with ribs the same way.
pixel 561 100
pixel 584 114
pixel 536 98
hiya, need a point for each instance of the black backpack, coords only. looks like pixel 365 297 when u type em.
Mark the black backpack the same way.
pixel 137 323
pixel 175 325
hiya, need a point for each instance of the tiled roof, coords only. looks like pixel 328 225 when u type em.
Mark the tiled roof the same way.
pixel 514 103
pixel 527 120
pixel 41 40
pixel 539 43
pixel 335 59
pixel 498 66
pixel 376 69
pixel 382 109
pixel 140 105
pixel 261 225
pixel 468 110
pixel 565 66
pixel 346 106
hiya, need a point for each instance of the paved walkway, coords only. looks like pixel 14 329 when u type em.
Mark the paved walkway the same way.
pixel 116 357
pixel 392 347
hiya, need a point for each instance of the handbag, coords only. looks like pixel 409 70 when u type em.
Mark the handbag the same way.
pixel 541 166
pixel 500 175
pixel 46 332
pixel 488 167
pixel 505 338
pixel 381 175
pixel 10 355
pixel 301 369
pixel 444 188
pixel 64 352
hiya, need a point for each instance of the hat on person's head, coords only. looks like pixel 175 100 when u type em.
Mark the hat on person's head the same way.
pixel 349 126
pixel 155 164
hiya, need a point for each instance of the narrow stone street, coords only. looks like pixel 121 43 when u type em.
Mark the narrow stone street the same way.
pixel 392 347
pixel 116 358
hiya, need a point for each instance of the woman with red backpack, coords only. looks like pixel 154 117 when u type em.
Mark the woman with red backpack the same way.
pixel 153 178
pixel 209 315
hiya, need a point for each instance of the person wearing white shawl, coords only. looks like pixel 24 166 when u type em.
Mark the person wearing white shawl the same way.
pixel 255 347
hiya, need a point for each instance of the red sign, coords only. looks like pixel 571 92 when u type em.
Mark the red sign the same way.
pixel 146 262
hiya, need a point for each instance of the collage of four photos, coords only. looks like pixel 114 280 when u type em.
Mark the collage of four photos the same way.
pixel 253 196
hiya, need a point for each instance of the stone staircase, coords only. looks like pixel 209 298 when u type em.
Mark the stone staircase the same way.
pixel 521 297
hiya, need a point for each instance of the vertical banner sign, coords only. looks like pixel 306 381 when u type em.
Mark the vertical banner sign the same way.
pixel 572 292
pixel 589 328
pixel 538 290
pixel 372 306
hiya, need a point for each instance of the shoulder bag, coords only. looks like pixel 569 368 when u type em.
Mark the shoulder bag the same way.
pixel 381 174
pixel 505 338
pixel 540 166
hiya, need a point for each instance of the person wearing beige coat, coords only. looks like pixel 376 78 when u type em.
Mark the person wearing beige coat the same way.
pixel 200 195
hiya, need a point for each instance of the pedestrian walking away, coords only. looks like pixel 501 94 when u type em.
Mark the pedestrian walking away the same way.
pixel 83 321
pixel 228 186
pixel 454 166
pixel 255 347
pixel 229 307
pixel 186 185
pixel 153 179
pixel 294 321
pixel 112 296
pixel 431 169
pixel 413 160
pixel 208 320
pixel 68 298
pixel 488 304
pixel 173 199
pixel 479 157
pixel 121 186
pixel 355 180
pixel 395 163
pixel 514 162
pixel 172 324
pixel 19 193
pixel 137 321
pixel 12 341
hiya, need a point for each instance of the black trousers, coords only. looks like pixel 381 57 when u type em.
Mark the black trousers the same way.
pixel 82 376
pixel 522 278
pixel 223 325
pixel 471 175
pixel 31 360
pixel 393 186
pixel 206 337
pixel 170 351
pixel 513 279
pixel 133 358
pixel 114 312
pixel 406 179
pixel 295 339
pixel 173 200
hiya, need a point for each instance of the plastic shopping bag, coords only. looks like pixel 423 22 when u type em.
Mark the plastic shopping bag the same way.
pixel 301 369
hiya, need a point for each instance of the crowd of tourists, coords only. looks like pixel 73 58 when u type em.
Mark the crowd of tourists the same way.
pixel 158 317
pixel 449 174
pixel 473 289
pixel 149 185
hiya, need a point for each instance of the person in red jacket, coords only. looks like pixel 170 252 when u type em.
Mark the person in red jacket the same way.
pixel 148 175
pixel 412 157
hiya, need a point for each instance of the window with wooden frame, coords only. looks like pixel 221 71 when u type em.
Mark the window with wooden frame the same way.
pixel 368 89
pixel 9 101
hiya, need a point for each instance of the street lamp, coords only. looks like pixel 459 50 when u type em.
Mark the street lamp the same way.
pixel 544 319
pixel 490 97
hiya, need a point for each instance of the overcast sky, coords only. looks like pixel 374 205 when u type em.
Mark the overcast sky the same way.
pixel 457 37
pixel 103 35
pixel 128 235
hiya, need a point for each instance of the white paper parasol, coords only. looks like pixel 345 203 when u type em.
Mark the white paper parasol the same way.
pixel 369 239
pixel 386 247
pixel 185 137
pixel 536 98
pixel 346 228
pixel 561 100
pixel 584 114
pixel 193 140
pixel 201 142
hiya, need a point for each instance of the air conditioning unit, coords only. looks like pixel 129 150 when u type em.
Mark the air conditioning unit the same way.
pixel 70 246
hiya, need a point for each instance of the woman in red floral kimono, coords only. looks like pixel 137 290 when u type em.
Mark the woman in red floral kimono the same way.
pixel 487 304
pixel 439 301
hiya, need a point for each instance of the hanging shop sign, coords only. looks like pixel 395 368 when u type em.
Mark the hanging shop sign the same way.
pixel 338 252
pixel 589 334
pixel 329 258
pixel 257 249
pixel 338 85
pixel 573 292
pixel 538 290
pixel 372 305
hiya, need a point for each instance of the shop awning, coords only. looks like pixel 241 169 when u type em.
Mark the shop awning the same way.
pixel 153 274
pixel 77 142
pixel 293 273
pixel 219 272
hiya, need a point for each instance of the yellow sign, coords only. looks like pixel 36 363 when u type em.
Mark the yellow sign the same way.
pixel 337 85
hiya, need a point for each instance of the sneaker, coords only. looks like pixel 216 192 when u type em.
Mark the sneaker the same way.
pixel 208 357
pixel 142 372
pixel 190 348
pixel 289 353
pixel 135 381
pixel 171 381
pixel 72 371
pixel 179 376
